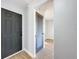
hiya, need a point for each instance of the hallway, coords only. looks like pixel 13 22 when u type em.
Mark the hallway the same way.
pixel 24 28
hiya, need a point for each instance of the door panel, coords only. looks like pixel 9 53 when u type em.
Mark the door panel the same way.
pixel 39 32
pixel 11 32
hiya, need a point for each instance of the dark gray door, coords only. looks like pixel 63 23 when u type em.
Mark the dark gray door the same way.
pixel 39 32
pixel 11 32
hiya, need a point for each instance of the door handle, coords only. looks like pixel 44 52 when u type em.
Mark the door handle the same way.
pixel 20 34
pixel 42 33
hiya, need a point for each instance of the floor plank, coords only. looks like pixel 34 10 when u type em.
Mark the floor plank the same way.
pixel 21 55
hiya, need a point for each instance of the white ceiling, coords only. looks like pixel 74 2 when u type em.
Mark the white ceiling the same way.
pixel 37 3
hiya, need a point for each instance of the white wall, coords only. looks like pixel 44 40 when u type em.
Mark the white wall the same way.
pixel 49 29
pixel 65 18
pixel 28 30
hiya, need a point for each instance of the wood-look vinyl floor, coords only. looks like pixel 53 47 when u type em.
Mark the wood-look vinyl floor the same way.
pixel 45 53
pixel 21 55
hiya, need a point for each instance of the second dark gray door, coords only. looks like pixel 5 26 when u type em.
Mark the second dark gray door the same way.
pixel 39 32
pixel 11 32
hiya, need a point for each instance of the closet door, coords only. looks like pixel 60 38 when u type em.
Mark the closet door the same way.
pixel 11 32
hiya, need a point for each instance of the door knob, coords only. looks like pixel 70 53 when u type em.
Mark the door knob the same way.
pixel 42 33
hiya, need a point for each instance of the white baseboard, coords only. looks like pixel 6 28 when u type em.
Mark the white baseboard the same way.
pixel 33 56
